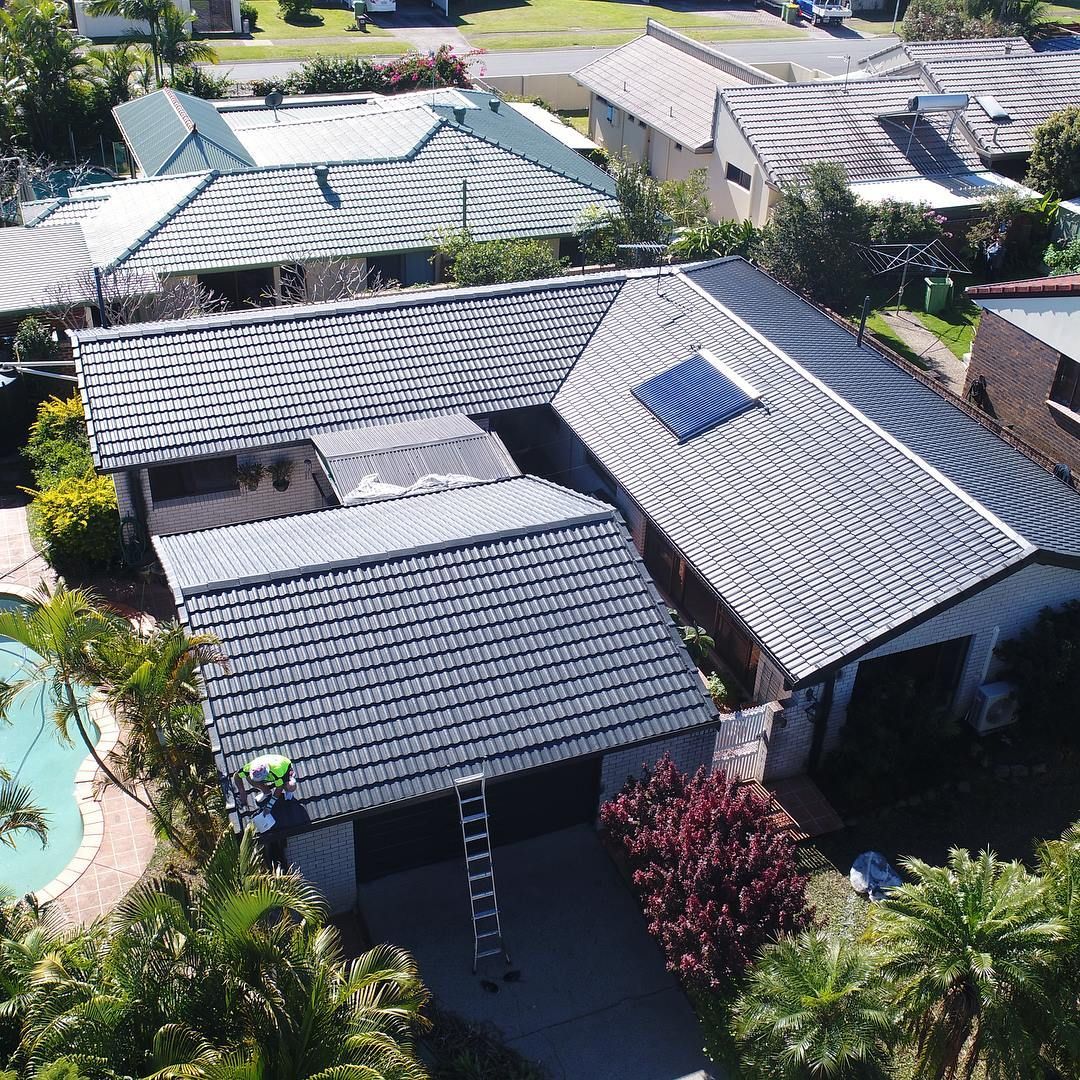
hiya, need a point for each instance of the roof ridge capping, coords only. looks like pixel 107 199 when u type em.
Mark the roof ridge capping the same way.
pixel 713 57
pixel 1026 547
pixel 405 299
pixel 593 512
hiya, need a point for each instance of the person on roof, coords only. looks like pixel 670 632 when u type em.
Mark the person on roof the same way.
pixel 266 775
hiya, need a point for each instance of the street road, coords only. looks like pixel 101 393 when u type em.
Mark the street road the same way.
pixel 825 53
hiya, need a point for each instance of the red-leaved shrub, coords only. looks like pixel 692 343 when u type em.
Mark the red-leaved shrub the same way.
pixel 717 879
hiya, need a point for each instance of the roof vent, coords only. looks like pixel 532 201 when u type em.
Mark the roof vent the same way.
pixel 493 104
pixel 925 103
pixel 322 172
pixel 992 107
pixel 459 113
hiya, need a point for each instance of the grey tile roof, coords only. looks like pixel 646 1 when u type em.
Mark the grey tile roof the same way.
pixel 164 392
pixel 817 529
pixel 790 126
pixel 37 269
pixel 1024 496
pixel 1028 87
pixel 551 641
pixel 170 132
pixel 914 52
pixel 669 81
pixel 278 215
pixel 400 454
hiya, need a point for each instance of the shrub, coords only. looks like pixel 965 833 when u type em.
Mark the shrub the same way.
pixel 464 1050
pixel 34 340
pixel 1044 662
pixel 715 240
pixel 58 448
pixel 78 521
pixel 1063 258
pixel 199 82
pixel 949 20
pixel 251 13
pixel 717 879
pixel 717 690
pixel 896 222
pixel 350 74
pixel 1054 165
pixel 294 10
pixel 1022 225
pixel 491 262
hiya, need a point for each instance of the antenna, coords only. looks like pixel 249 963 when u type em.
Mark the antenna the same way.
pixel 273 100
pixel 847 67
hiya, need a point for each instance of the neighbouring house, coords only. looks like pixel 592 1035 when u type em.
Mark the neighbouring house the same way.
pixel 389 648
pixel 271 201
pixel 654 99
pixel 211 16
pixel 1025 362
pixel 910 54
pixel 827 514
pixel 36 274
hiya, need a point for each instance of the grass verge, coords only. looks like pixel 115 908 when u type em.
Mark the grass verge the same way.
pixel 556 40
pixel 487 16
pixel 382 47
pixel 748 33
pixel 322 22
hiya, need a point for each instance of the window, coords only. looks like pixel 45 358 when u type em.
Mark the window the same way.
pixel 611 114
pixel 1066 388
pixel 193 478
pixel 737 176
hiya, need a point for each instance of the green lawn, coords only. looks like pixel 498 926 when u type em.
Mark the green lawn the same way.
pixel 748 33
pixel 554 39
pixel 955 327
pixel 576 118
pixel 879 328
pixel 873 27
pixel 322 22
pixel 382 47
pixel 488 16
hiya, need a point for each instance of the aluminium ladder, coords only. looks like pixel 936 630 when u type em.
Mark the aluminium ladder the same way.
pixel 479 868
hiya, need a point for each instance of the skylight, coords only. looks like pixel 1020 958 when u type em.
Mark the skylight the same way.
pixel 696 395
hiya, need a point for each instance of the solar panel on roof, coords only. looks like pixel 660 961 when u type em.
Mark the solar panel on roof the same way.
pixel 694 396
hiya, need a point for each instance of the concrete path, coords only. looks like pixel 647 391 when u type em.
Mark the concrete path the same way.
pixel 592 1000
pixel 942 363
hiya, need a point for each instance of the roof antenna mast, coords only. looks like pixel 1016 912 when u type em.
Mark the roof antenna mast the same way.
pixel 847 67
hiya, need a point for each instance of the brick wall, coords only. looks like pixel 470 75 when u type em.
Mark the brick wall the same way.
pixel 327 858
pixel 231 507
pixel 688 751
pixel 1019 371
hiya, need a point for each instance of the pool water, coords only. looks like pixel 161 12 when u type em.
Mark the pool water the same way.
pixel 34 753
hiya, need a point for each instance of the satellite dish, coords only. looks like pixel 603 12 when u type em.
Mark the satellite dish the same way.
pixel 273 100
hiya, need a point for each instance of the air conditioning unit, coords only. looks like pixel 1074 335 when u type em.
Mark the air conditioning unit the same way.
pixel 994 707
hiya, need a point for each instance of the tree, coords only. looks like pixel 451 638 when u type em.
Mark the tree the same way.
pixel 230 976
pixel 970 947
pixel 816 1006
pixel 313 280
pixel 121 70
pixel 811 240
pixel 1054 164
pixel 949 20
pixel 151 12
pixel 716 877
pixel 176 47
pixel 19 813
pixel 48 64
pixel 63 628
pixel 715 240
pixel 686 202
pixel 492 262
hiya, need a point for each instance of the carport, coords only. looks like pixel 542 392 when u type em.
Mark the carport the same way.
pixel 593 1001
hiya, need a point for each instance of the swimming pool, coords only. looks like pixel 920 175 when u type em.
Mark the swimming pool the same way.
pixel 33 752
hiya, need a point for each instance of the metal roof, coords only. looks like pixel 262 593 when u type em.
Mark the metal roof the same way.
pixel 168 391
pixel 859 125
pixel 37 270
pixel 400 454
pixel 1028 87
pixel 669 81
pixel 821 531
pixel 551 640
pixel 170 132
pixel 952 192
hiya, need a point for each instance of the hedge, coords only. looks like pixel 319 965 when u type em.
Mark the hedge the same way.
pixel 78 522
pixel 58 447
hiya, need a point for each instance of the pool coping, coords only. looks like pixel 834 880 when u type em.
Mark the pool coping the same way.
pixel 93 820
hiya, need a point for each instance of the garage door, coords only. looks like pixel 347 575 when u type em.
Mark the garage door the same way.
pixel 519 807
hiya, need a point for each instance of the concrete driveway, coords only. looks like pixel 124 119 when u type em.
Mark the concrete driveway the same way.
pixel 593 1001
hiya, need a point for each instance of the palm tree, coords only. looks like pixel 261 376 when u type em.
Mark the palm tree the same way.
pixel 176 46
pixel 150 12
pixel 120 70
pixel 970 946
pixel 19 813
pixel 153 684
pixel 228 977
pixel 65 629
pixel 816 1006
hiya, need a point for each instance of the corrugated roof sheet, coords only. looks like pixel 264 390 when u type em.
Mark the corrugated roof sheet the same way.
pixel 279 215
pixel 173 390
pixel 170 132
pixel 552 642
pixel 1027 498
pixel 401 454
pixel 790 126
pixel 817 529
pixel 669 81
pixel 1028 87
pixel 37 270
